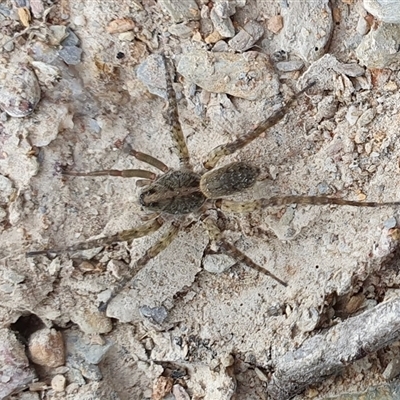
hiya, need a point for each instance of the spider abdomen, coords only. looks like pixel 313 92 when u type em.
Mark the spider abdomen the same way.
pixel 228 180
pixel 176 192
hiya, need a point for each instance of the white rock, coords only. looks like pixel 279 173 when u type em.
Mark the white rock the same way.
pixel 384 10
pixel 58 383
pixel 217 263
pixel 306 37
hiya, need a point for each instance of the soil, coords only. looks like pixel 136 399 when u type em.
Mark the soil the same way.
pixel 225 330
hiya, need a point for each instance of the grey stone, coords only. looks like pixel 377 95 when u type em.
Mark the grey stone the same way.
pixel 224 26
pixel 248 75
pixel 217 263
pixel 225 9
pixel 220 46
pixel 366 117
pixel 71 39
pixel 79 347
pixel 247 37
pixel 91 371
pixel 9 45
pixel 289 66
pixel 306 37
pixel 384 10
pixel 181 30
pixel 352 69
pixel 392 370
pixel 156 315
pixel 182 10
pixel 71 55
pixel 362 26
pixel 15 372
pixel 390 223
pixel 153 74
pixel 379 49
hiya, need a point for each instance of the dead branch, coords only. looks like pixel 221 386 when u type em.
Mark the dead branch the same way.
pixel 329 353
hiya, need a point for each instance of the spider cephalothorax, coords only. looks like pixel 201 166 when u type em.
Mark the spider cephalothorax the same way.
pixel 175 192
pixel 183 191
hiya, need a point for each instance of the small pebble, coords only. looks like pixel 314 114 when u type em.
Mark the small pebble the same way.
pixel 182 10
pixel 220 46
pixel 58 383
pixel 71 39
pixel 390 223
pixel 37 8
pixel 247 37
pixel 126 36
pixel 217 263
pixel 223 25
pixel 120 25
pixel 91 372
pixel 181 30
pixel 155 314
pixel 366 117
pixel 180 393
pixel 79 20
pixel 392 370
pixel 275 24
pixel 9 44
pixel 391 86
pixel 58 34
pixel 46 348
pixel 91 321
pixel 162 387
pixel 153 74
pixel 289 66
pixel 213 37
pixel 71 55
pixel 225 9
pixel 362 26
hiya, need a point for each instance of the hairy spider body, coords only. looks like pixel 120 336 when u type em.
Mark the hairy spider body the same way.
pixel 228 180
pixel 175 192
pixel 183 191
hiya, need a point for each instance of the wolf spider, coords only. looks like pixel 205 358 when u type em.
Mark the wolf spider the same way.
pixel 180 192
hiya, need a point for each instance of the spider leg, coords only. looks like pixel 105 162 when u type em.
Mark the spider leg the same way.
pixel 172 116
pixel 229 148
pixel 163 242
pixel 248 206
pixel 122 236
pixel 232 251
pixel 147 158
pixel 124 173
pixel 143 183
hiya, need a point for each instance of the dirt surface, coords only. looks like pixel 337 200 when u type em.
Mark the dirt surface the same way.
pixel 222 332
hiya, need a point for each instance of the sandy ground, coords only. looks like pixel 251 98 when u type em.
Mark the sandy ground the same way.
pixel 223 330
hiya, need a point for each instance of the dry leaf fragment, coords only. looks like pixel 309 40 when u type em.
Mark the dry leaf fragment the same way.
pixel 24 16
pixel 120 25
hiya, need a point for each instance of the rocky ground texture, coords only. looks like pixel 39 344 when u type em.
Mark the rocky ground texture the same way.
pixel 81 80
